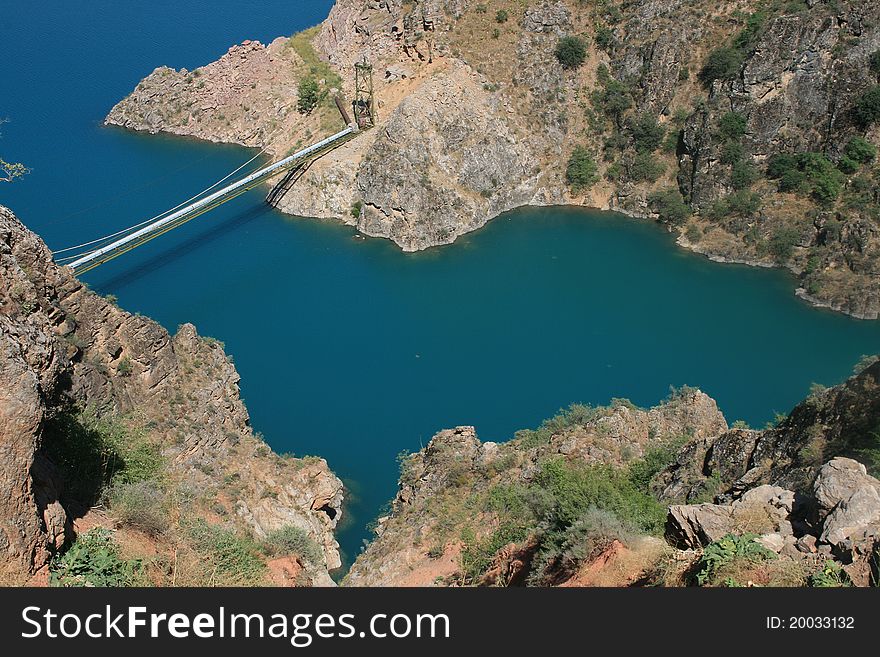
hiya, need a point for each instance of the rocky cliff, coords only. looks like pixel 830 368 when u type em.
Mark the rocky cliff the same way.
pixel 680 106
pixel 67 351
pixel 588 498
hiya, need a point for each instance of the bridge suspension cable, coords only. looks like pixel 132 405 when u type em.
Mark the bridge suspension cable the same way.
pixel 157 217
pixel 143 232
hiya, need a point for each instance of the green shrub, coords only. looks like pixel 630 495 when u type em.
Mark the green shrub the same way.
pixel 874 63
pixel 743 175
pixel 501 16
pixel 745 40
pixel 669 204
pixel 125 367
pixel 572 509
pixel 725 551
pixel 731 152
pixel 813 170
pixel 93 560
pixel 613 98
pixel 780 164
pixel 356 209
pixel 693 234
pixel 293 540
pixel 476 556
pixel 234 558
pixel 655 460
pixel 604 38
pixel 732 126
pixel 94 452
pixel 742 203
pixel 581 172
pixel 860 150
pixel 867 107
pixel 847 164
pixel 647 133
pixel 309 95
pixel 140 504
pixel 782 243
pixel 572 489
pixel 571 51
pixel 646 168
pixel 592 533
pixel 722 64
pixel 831 575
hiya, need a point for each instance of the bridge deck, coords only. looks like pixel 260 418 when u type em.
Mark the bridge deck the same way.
pixel 161 226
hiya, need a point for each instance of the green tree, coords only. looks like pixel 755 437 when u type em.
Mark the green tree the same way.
pixel 10 171
pixel 722 64
pixel 782 243
pixel 646 132
pixel 669 204
pixel 874 63
pixel 860 150
pixel 571 51
pixel 581 172
pixel 309 95
pixel 867 107
pixel 732 126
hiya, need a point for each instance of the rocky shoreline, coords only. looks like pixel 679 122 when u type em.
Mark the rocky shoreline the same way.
pixel 436 168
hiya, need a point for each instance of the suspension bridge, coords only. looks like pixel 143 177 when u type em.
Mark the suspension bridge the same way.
pixel 85 257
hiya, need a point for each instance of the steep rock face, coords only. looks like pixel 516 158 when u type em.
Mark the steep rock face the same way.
pixel 848 504
pixel 63 345
pixel 838 421
pixel 440 168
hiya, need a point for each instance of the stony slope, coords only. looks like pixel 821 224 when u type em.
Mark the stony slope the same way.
pixel 483 513
pixel 66 348
pixel 477 116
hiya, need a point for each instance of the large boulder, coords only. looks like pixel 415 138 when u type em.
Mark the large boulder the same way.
pixel 763 510
pixel 848 501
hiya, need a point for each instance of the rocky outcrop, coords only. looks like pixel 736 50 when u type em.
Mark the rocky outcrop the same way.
pixel 764 510
pixel 848 505
pixel 440 168
pixel 840 517
pixel 791 488
pixel 246 97
pixel 419 543
pixel 837 421
pixel 64 346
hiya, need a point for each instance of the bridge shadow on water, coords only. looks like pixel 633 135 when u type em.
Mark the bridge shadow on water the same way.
pixel 185 248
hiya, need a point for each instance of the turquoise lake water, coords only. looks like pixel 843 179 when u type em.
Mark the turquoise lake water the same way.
pixel 349 348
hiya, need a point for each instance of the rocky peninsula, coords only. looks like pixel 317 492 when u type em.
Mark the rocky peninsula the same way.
pixel 676 111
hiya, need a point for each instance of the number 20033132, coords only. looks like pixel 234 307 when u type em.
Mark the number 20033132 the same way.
pixel 811 623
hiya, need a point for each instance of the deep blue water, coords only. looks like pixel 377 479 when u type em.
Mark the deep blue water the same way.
pixel 348 348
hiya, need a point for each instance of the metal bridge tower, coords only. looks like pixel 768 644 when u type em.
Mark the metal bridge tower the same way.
pixel 364 104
